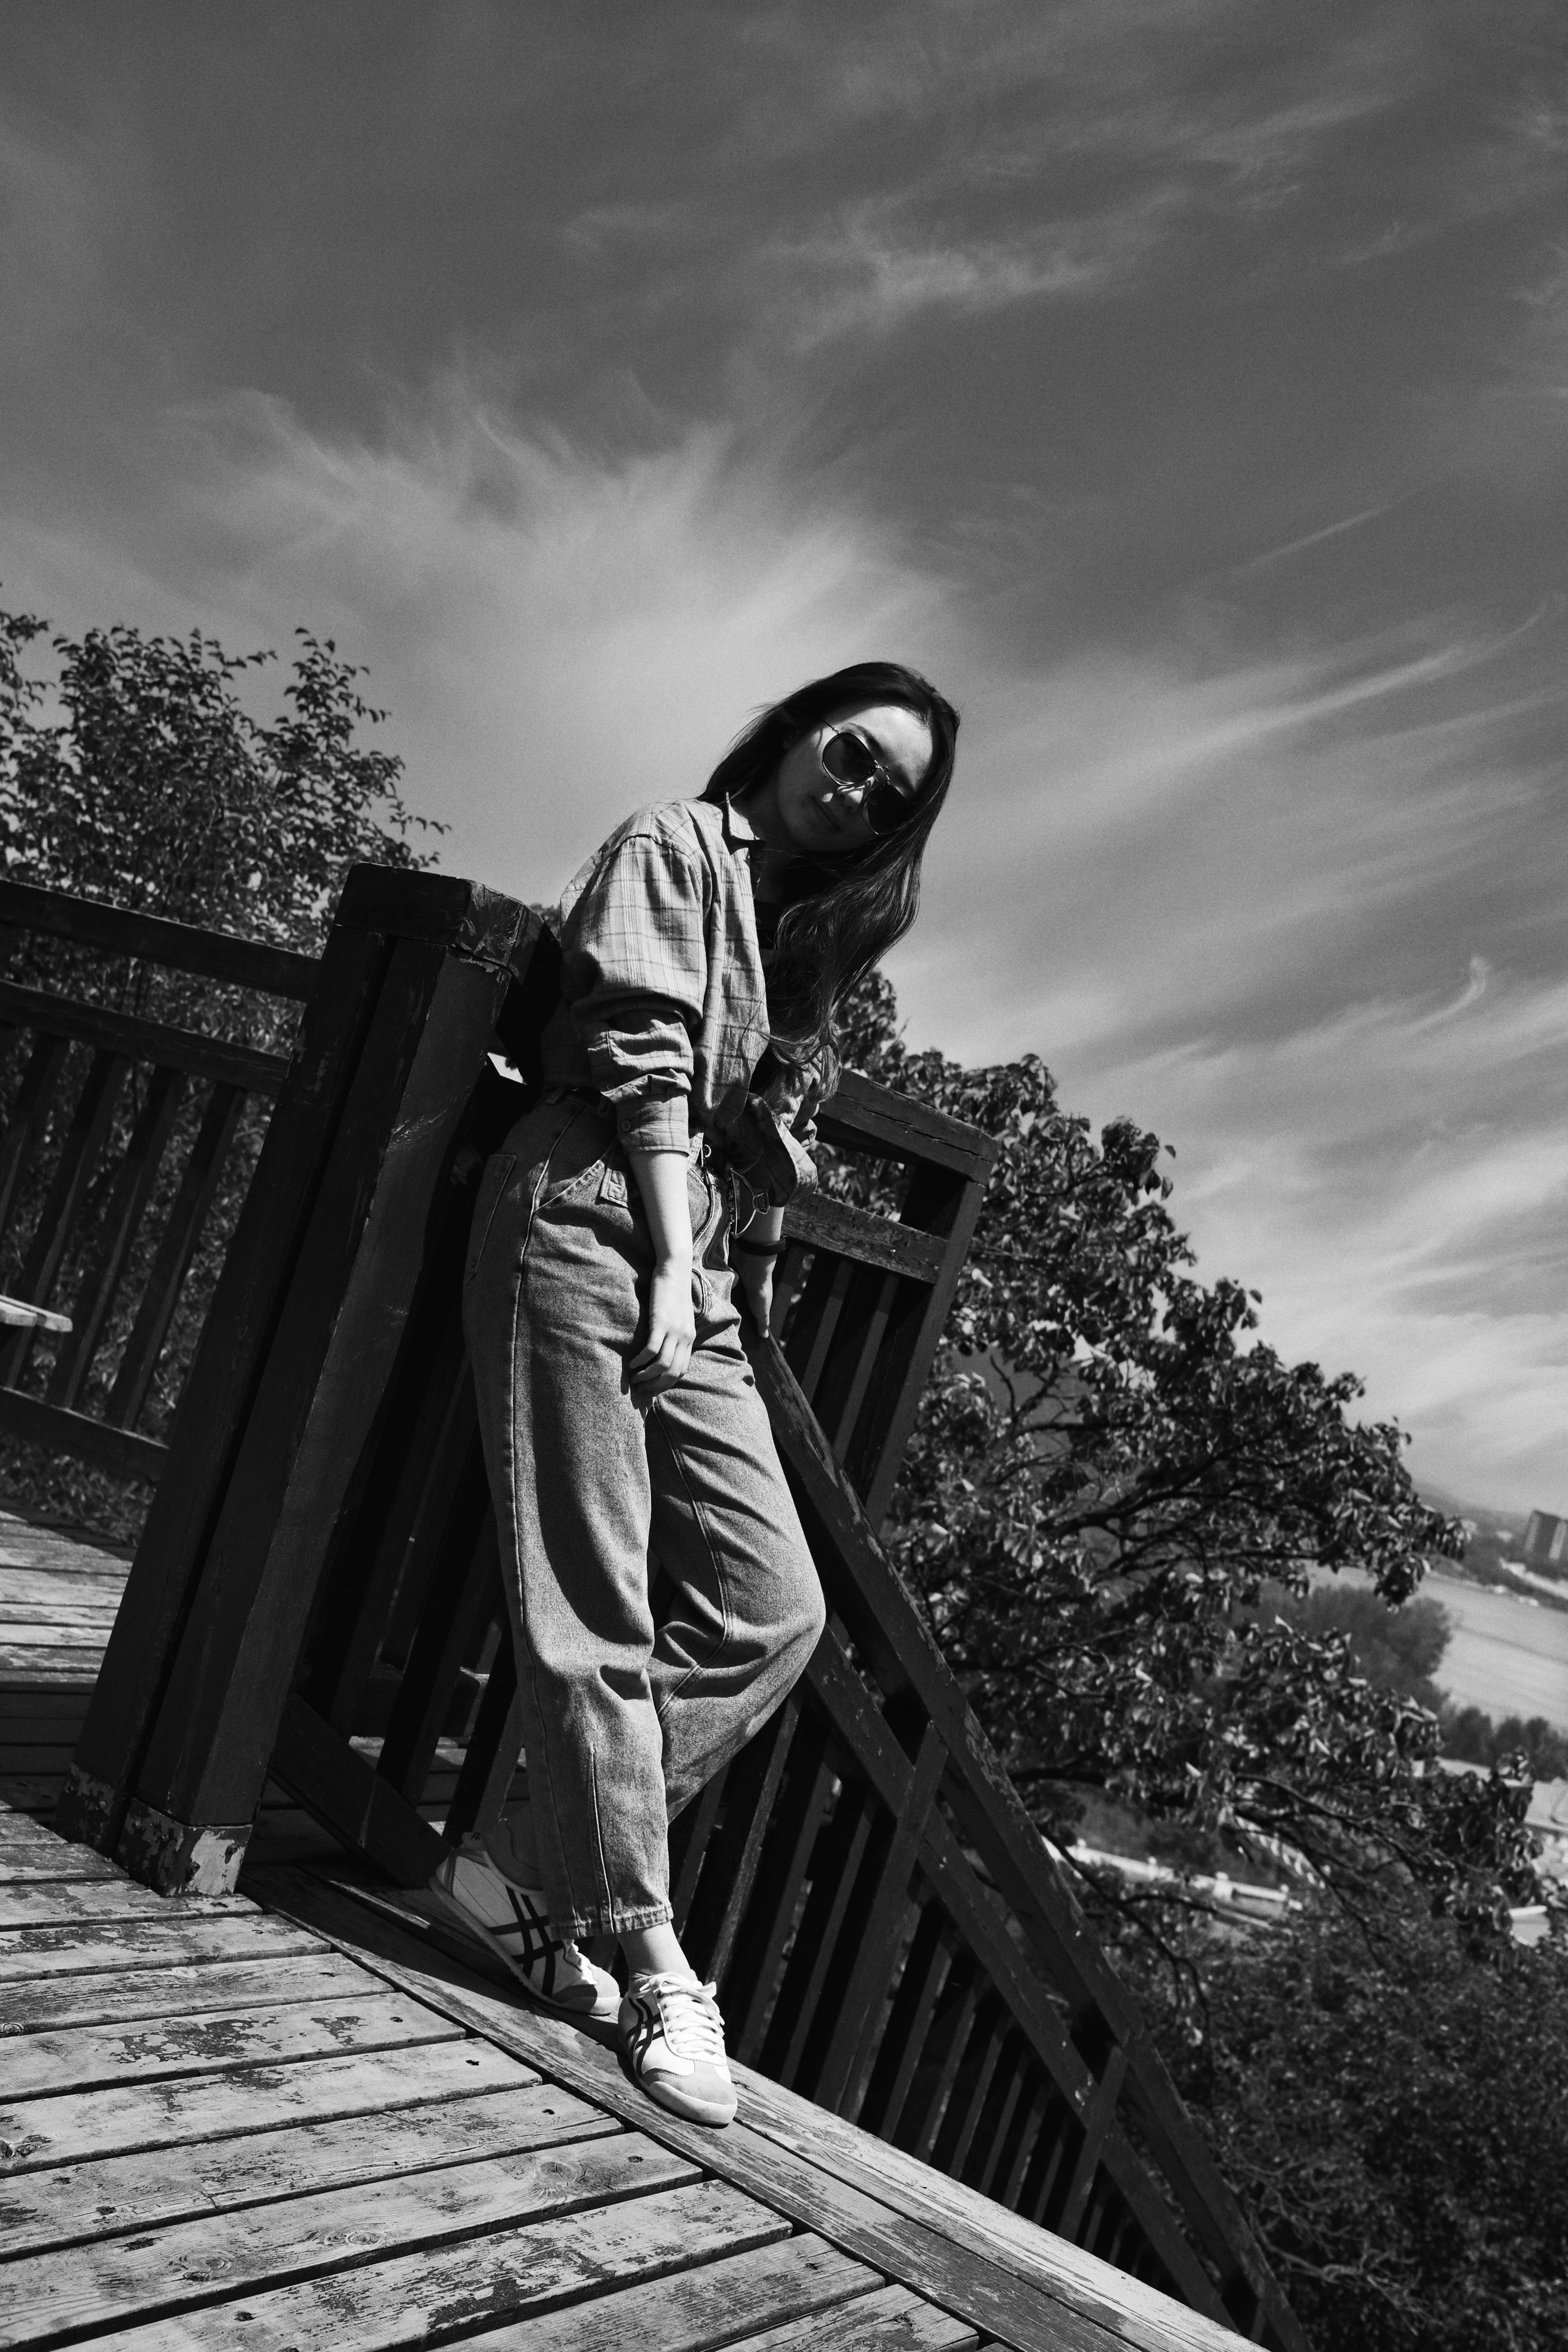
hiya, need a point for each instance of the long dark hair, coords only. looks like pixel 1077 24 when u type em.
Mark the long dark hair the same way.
pixel 843 914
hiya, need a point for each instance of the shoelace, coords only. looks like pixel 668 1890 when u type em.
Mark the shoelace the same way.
pixel 689 2014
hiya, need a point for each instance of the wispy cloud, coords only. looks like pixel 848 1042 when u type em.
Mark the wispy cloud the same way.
pixel 870 270
pixel 564 632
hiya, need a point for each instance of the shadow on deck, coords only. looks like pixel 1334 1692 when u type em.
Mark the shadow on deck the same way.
pixel 306 2116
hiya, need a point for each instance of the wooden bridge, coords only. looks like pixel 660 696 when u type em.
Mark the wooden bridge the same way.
pixel 254 2102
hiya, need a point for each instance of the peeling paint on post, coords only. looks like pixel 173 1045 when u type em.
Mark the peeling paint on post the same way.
pixel 173 1858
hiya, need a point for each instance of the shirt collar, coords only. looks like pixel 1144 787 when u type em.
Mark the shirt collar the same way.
pixel 739 830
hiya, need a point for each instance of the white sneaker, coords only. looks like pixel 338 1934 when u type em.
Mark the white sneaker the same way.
pixel 514 1921
pixel 674 2041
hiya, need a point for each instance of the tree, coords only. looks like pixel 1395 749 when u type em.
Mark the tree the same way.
pixel 1393 2113
pixel 157 789
pixel 1471 1734
pixel 132 771
pixel 1109 1475
pixel 1398 1649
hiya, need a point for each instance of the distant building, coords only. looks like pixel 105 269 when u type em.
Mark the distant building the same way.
pixel 1546 1541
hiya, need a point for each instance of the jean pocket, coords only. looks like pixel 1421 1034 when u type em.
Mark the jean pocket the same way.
pixel 498 1175
pixel 572 1184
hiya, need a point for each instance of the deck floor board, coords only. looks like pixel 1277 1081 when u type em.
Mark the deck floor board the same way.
pixel 120 2195
pixel 311 2115
pixel 263 2247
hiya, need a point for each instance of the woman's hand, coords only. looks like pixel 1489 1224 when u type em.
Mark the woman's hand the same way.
pixel 665 1351
pixel 671 1334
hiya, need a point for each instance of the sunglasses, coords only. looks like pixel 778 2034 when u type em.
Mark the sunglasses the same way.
pixel 850 759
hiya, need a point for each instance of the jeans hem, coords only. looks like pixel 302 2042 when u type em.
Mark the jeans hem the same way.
pixel 615 1920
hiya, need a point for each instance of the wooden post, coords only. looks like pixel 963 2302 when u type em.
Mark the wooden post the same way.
pixel 281 1405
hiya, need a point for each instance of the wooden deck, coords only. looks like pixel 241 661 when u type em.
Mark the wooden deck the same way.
pixel 306 2116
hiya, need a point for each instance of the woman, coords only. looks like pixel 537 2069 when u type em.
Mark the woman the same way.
pixel 705 948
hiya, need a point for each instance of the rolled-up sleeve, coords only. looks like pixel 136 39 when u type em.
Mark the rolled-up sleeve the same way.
pixel 636 958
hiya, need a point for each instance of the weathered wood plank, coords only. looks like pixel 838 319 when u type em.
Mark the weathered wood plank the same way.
pixel 820 1222
pixel 30 1866
pixel 61 1628
pixel 77 2127
pixel 20 1833
pixel 119 2195
pixel 120 1451
pixel 234 1344
pixel 1138 2314
pixel 40 1904
pixel 39 2066
pixel 36 1956
pixel 57 2004
pixel 873 2229
pixel 33 1662
pixel 127 1034
pixel 337 1337
pixel 991 1816
pixel 449 2290
pixel 802 2279
pixel 94 1586
pixel 163 2271
pixel 893 2321
pixel 154 938
pixel 860 1113
pixel 18 1700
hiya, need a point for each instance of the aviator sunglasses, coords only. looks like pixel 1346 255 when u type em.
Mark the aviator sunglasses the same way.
pixel 850 759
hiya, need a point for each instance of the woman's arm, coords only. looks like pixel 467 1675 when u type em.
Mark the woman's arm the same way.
pixel 666 1350
pixel 754 1273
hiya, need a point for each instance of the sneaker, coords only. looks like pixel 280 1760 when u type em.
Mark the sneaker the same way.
pixel 514 1921
pixel 674 2040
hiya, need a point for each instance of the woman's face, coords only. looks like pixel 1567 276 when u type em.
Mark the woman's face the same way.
pixel 806 809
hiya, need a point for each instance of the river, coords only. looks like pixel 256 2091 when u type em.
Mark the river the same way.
pixel 1505 1653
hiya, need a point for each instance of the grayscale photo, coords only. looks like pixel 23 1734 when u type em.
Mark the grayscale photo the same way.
pixel 784 1176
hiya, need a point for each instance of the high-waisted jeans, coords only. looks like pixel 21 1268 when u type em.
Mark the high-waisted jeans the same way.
pixel 622 1723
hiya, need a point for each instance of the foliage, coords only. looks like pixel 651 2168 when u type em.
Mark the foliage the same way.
pixel 132 771
pixel 1393 2116
pixel 1399 1649
pixel 1472 1736
pixel 1109 1474
pixel 155 789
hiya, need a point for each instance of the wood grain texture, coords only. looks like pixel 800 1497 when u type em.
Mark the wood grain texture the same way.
pixel 413 2298
pixel 56 1862
pixel 39 2066
pixel 217 1394
pixel 120 2195
pixel 75 2126
pixel 820 1222
pixel 802 2279
pixel 862 1583
pixel 860 1112
pixel 42 1956
pixel 147 1041
pixel 49 1903
pixel 55 2004
pixel 893 2321
pixel 164 2269
pixel 873 2229
pixel 154 938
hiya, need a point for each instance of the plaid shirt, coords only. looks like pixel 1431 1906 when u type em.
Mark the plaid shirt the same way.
pixel 665 1008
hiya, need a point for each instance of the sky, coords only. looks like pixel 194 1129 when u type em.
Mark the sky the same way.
pixel 1181 384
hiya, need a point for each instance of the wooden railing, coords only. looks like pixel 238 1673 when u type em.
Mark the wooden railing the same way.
pixel 317 1597
pixel 123 1135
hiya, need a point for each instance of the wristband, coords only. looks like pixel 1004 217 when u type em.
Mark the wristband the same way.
pixel 756 1249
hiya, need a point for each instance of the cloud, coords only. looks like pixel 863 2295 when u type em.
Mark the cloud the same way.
pixel 1395 1181
pixel 862 275
pixel 564 632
